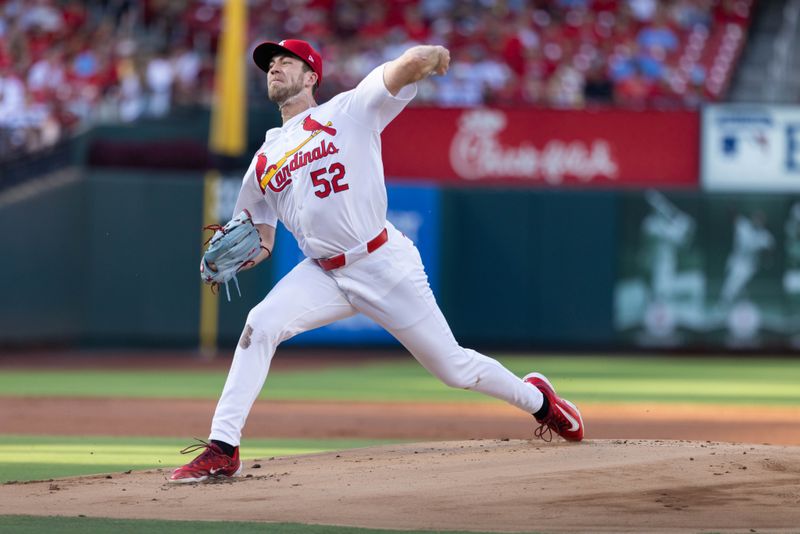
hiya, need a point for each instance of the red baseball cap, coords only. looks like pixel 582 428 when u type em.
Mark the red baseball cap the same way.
pixel 264 53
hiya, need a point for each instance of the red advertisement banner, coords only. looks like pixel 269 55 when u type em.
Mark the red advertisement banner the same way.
pixel 545 148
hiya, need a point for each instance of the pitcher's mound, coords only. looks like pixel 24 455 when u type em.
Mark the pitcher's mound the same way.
pixel 485 485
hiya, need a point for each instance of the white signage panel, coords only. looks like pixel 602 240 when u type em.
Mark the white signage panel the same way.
pixel 750 148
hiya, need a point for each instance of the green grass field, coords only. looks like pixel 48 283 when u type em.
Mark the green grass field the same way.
pixel 584 379
pixel 752 381
pixel 42 457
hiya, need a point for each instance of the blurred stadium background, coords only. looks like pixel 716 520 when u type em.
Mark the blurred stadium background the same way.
pixel 592 178
pixel 590 175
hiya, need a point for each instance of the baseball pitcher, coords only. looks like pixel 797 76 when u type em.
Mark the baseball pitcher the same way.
pixel 321 175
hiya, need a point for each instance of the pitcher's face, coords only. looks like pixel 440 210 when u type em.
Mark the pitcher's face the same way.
pixel 285 78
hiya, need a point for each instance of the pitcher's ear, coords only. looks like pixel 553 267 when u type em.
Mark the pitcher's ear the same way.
pixel 315 79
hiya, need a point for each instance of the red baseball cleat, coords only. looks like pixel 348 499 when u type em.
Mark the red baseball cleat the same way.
pixel 212 462
pixel 563 418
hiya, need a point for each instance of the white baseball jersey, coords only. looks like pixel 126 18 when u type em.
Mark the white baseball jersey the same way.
pixel 325 173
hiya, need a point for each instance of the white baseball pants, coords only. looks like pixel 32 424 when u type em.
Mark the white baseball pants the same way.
pixel 389 286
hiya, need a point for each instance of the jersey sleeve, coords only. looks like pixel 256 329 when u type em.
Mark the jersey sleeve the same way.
pixel 251 199
pixel 371 103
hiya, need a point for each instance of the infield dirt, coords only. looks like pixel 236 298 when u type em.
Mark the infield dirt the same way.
pixel 392 420
pixel 488 485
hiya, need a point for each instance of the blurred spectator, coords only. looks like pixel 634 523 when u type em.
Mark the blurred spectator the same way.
pixel 632 91
pixel 658 34
pixel 731 11
pixel 565 88
pixel 46 75
pixel 651 62
pixel 160 77
pixel 415 26
pixel 131 96
pixel 41 15
pixel 622 63
pixel 690 13
pixel 598 88
pixel 463 87
pixel 186 64
pixel 643 10
pixel 12 96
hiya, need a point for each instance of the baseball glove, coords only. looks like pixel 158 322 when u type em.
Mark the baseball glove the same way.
pixel 231 248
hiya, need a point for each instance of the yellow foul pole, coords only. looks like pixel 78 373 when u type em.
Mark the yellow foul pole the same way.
pixel 228 115
pixel 227 138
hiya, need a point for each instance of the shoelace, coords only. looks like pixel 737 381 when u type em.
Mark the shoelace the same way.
pixel 209 449
pixel 544 432
pixel 548 425
pixel 214 228
pixel 194 447
pixel 215 287
pixel 228 291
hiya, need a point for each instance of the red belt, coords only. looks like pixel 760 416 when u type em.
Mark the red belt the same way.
pixel 340 260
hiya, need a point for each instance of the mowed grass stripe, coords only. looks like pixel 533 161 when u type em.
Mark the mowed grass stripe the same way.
pixel 82 525
pixel 37 457
pixel 600 379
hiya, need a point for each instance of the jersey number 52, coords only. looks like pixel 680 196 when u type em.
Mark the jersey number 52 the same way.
pixel 334 184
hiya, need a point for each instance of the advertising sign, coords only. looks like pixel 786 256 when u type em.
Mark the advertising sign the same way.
pixel 545 148
pixel 709 270
pixel 751 148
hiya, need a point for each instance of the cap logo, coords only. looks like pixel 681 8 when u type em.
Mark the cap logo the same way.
pixel 311 59
pixel 282 42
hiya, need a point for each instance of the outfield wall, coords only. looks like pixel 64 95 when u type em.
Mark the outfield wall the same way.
pixel 554 240
pixel 110 258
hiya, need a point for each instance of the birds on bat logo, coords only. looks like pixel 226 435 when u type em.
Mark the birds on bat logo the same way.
pixel 278 175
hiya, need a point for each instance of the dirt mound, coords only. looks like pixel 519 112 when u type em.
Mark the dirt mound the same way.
pixel 514 485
